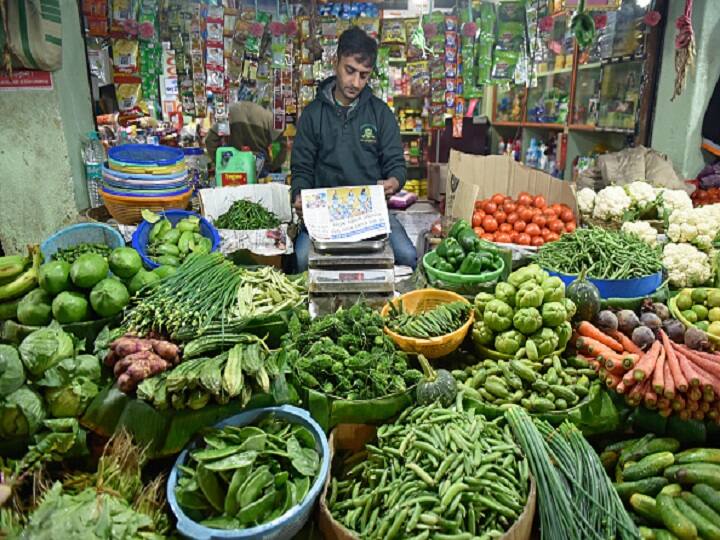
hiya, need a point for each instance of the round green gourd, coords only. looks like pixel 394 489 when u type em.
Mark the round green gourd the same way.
pixel 437 385
pixel 586 297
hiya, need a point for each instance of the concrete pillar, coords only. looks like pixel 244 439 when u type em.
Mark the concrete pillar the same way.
pixel 42 184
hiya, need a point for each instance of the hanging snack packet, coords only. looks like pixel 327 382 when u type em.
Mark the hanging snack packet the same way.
pixel 125 55
pixel 128 96
pixel 504 64
pixel 419 74
pixel 393 32
pixel 511 36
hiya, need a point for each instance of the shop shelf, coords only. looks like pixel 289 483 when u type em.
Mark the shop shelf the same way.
pixel 540 125
pixel 507 124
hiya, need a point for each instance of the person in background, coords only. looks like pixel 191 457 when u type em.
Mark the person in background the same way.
pixel 251 126
pixel 347 137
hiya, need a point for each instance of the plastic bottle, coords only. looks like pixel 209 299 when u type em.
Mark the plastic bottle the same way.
pixel 531 154
pixel 93 154
pixel 517 150
pixel 501 147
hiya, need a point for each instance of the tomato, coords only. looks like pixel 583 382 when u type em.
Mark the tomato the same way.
pixel 498 199
pixel 538 241
pixel 500 216
pixel 489 237
pixel 489 224
pixel 526 215
pixel 552 237
pixel 566 215
pixel 539 220
pixel 479 231
pixel 545 233
pixel 524 239
pixel 557 208
pixel 478 205
pixel 539 202
pixel 512 218
pixel 532 229
pixel 556 226
pixel 490 207
pixel 525 199
pixel 509 207
pixel 477 218
pixel 503 238
pixel 570 226
pixel 549 213
pixel 514 237
pixel 519 226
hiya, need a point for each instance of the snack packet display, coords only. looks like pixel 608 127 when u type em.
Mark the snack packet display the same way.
pixel 419 75
pixel 125 55
pixel 393 32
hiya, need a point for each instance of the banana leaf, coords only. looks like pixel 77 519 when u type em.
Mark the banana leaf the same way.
pixel 13 332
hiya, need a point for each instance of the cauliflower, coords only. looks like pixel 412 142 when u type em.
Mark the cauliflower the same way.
pixel 586 201
pixel 641 193
pixel 675 199
pixel 641 229
pixel 686 265
pixel 611 203
pixel 698 226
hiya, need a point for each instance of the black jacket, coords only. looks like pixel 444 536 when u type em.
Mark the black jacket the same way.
pixel 332 148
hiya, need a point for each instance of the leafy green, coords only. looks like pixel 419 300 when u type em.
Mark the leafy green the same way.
pixel 71 399
pixel 45 348
pixel 64 439
pixel 12 374
pixel 21 413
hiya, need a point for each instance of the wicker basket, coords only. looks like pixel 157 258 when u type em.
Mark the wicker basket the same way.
pixel 425 300
pixel 127 210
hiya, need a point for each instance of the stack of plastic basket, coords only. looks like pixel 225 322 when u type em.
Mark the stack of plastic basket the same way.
pixel 140 176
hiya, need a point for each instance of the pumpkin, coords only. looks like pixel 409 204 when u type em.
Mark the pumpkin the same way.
pixel 437 385
pixel 586 297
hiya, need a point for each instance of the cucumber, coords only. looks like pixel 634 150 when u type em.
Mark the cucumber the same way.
pixel 663 534
pixel 647 486
pixel 646 534
pixel 695 473
pixel 707 530
pixel 701 508
pixel 646 507
pixel 672 489
pixel 620 445
pixel 648 466
pixel 647 446
pixel 674 519
pixel 708 495
pixel 699 455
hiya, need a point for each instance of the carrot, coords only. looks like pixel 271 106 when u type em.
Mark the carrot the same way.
pixel 687 369
pixel 637 393
pixel 698 415
pixel 695 394
pixel 678 377
pixel 612 380
pixel 628 379
pixel 669 384
pixel 602 351
pixel 620 388
pixel 692 406
pixel 615 367
pixel 701 360
pixel 658 380
pixel 626 342
pixel 644 368
pixel 713 357
pixel 713 414
pixel 684 415
pixel 665 412
pixel 678 403
pixel 589 330
pixel 709 395
pixel 650 399
pixel 704 406
pixel 663 403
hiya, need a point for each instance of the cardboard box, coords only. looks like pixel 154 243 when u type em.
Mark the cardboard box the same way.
pixel 214 202
pixel 437 179
pixel 472 178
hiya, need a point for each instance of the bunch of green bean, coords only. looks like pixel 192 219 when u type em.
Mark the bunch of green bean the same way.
pixel 70 254
pixel 441 472
pixel 604 254
pixel 247 216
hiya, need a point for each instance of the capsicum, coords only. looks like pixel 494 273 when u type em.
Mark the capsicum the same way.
pixel 468 240
pixel 442 265
pixel 450 250
pixel 474 263
pixel 460 225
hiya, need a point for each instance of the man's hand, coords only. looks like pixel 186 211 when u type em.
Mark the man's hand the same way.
pixel 298 205
pixel 391 186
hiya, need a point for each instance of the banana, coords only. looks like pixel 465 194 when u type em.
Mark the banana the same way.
pixel 12 266
pixel 25 281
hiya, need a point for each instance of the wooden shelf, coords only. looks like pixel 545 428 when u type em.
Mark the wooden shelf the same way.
pixel 581 127
pixel 541 125
pixel 507 124
pixel 414 133
pixel 560 71
pixel 592 65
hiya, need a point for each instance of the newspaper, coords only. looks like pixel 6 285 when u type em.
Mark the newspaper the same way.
pixel 345 214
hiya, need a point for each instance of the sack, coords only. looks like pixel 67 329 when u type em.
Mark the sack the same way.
pixel 33 31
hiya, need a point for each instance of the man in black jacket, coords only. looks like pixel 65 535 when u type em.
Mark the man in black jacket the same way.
pixel 347 137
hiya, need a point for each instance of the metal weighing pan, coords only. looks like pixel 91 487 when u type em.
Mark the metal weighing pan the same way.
pixel 371 245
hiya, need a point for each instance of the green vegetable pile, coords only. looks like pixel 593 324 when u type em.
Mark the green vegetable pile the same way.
pixel 235 374
pixel 169 245
pixel 72 253
pixel 347 355
pixel 463 252
pixel 444 470
pixel 528 314
pixel 553 384
pixel 247 216
pixel 604 254
pixel 576 500
pixel 246 476
pixel 438 321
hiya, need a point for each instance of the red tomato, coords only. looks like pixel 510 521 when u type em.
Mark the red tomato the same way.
pixel 505 227
pixel 566 215
pixel 557 208
pixel 500 216
pixel 479 231
pixel 489 237
pixel 526 215
pixel 552 237
pixel 509 207
pixel 519 226
pixel 539 220
pixel 523 239
pixel 477 218
pixel 556 226
pixel 525 199
pixel 570 226
pixel 539 202
pixel 514 237
pixel 490 207
pixel 538 241
pixel 498 199
pixel 503 238
pixel 549 213
pixel 532 229
pixel 545 233
pixel 478 205
pixel 489 224
pixel 512 218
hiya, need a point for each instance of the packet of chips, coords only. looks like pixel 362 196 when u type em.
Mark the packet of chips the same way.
pixel 419 74
pixel 125 54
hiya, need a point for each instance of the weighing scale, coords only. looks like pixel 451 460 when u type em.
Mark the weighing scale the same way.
pixel 340 274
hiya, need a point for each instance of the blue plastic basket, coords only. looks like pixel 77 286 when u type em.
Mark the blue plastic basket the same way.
pixel 93 233
pixel 142 233
pixel 170 192
pixel 144 178
pixel 146 154
pixel 619 288
pixel 285 526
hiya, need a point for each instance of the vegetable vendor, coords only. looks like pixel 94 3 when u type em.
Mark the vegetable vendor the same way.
pixel 347 136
